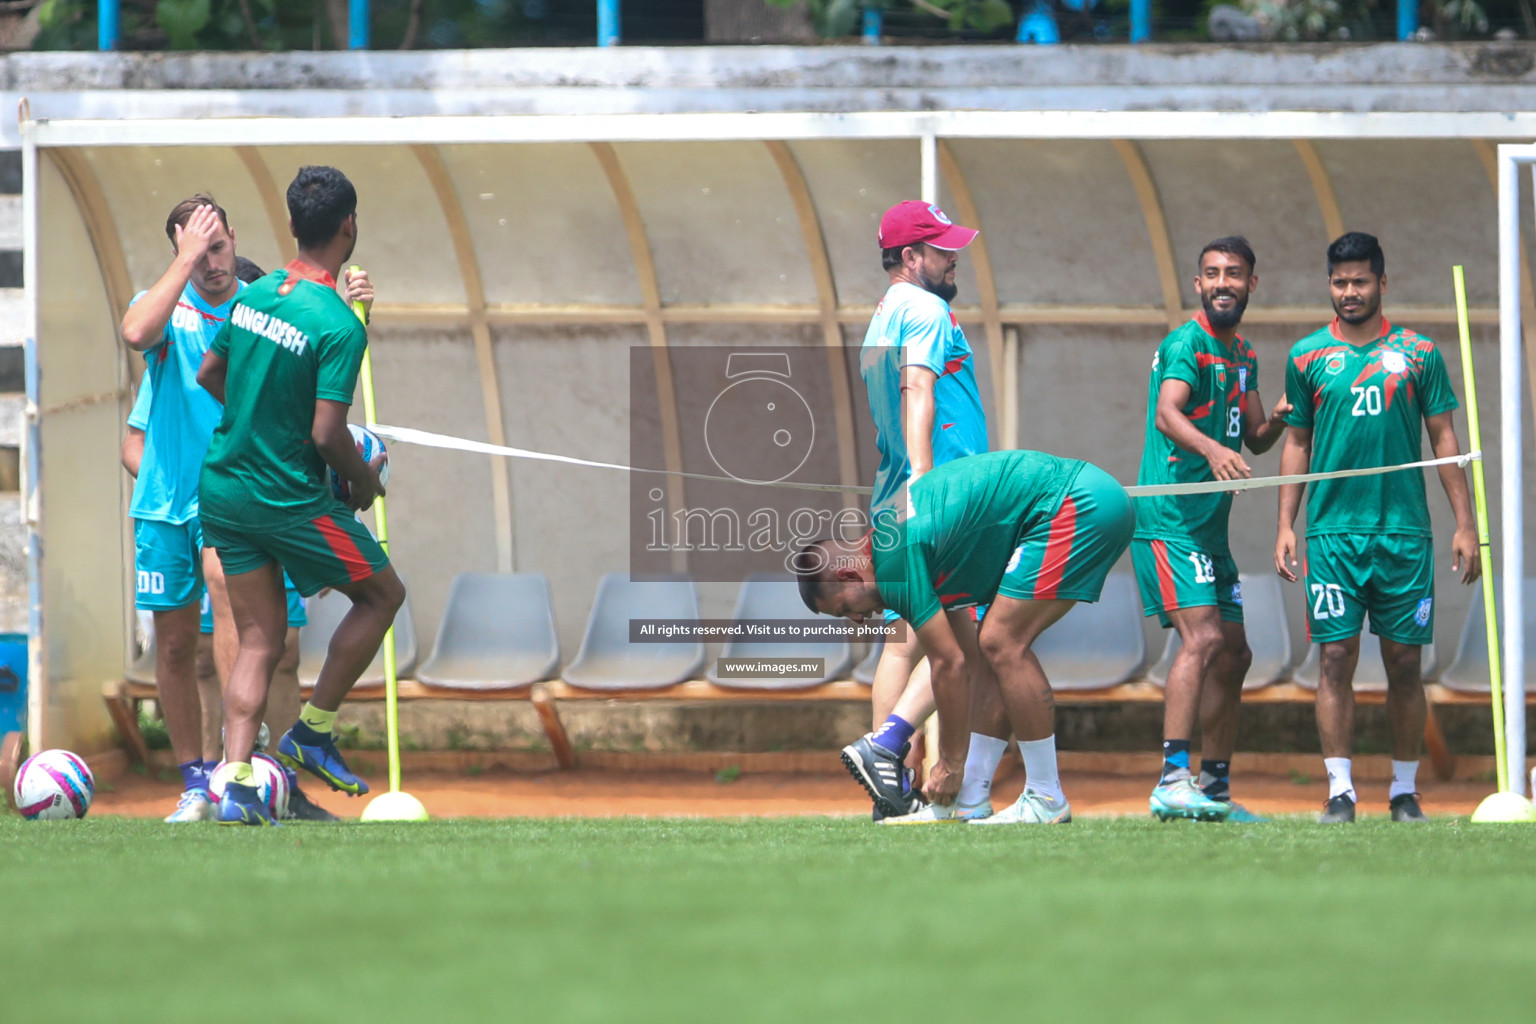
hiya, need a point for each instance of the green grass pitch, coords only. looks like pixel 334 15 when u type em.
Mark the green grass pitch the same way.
pixel 766 920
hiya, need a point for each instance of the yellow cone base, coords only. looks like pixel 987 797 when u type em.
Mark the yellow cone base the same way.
pixel 394 807
pixel 1501 807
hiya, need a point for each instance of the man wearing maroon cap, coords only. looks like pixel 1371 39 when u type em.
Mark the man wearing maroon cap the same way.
pixel 921 377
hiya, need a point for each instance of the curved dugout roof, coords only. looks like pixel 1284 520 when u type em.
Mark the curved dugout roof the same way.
pixel 713 238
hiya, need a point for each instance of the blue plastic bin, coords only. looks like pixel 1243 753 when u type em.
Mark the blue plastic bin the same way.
pixel 13 682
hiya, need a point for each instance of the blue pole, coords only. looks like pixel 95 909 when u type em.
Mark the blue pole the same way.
pixel 1407 19
pixel 874 20
pixel 1141 20
pixel 106 25
pixel 1038 25
pixel 607 22
pixel 357 25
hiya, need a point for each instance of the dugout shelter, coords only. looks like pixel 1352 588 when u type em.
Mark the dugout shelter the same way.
pixel 519 258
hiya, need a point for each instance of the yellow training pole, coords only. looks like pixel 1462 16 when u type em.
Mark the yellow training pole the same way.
pixel 1493 808
pixel 394 805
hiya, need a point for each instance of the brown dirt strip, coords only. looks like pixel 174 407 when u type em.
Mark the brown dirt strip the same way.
pixel 498 793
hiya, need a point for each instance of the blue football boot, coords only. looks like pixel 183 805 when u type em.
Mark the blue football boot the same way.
pixel 242 805
pixel 1183 799
pixel 321 760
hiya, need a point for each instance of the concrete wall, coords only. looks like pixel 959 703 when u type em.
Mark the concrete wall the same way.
pixel 1066 233
pixel 1495 76
pixel 1064 226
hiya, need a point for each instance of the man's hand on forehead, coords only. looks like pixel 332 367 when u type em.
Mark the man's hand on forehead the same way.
pixel 194 238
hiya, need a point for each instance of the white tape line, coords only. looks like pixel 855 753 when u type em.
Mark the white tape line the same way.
pixel 1254 483
pixel 407 435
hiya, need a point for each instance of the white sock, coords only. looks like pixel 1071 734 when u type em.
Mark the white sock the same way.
pixel 980 765
pixel 1404 778
pixel 1338 777
pixel 1040 772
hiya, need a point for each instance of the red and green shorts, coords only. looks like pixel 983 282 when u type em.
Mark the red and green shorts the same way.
pixel 330 551
pixel 1390 576
pixel 1068 557
pixel 1174 574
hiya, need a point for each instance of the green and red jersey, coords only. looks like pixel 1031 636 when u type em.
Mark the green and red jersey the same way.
pixel 1219 378
pixel 1365 405
pixel 970 516
pixel 290 340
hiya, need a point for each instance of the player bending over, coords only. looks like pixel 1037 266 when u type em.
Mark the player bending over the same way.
pixel 285 367
pixel 173 324
pixel 1028 532
pixel 921 377
pixel 1360 387
pixel 1203 405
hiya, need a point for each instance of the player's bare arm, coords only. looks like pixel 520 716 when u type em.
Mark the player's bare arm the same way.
pixel 1295 457
pixel 212 373
pixel 917 413
pixel 1442 439
pixel 144 323
pixel 952 699
pixel 1260 432
pixel 1225 463
pixel 337 447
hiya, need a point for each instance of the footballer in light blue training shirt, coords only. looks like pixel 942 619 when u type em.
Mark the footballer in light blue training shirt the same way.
pixel 177 424
pixel 172 324
pixel 914 326
pixel 915 350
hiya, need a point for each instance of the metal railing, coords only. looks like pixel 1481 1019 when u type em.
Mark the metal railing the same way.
pixel 1036 25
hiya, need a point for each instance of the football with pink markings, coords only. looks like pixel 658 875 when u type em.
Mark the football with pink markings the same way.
pixel 54 785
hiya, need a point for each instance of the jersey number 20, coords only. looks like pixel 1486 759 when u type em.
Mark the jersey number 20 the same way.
pixel 1327 601
pixel 1367 401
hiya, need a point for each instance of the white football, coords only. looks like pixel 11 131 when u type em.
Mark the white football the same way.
pixel 271 783
pixel 369 446
pixel 54 785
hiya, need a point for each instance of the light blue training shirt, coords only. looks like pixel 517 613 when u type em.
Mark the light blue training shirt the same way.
pixel 914 327
pixel 139 418
pixel 181 419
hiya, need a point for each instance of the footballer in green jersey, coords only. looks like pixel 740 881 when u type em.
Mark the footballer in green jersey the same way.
pixel 1028 533
pixel 285 367
pixel 1203 405
pixel 1364 391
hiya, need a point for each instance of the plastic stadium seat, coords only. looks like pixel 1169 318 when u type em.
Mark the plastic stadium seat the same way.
pixel 325 614
pixel 1469 672
pixel 775 596
pixel 608 661
pixel 864 671
pixel 498 633
pixel 1269 635
pixel 1370 673
pixel 1096 645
